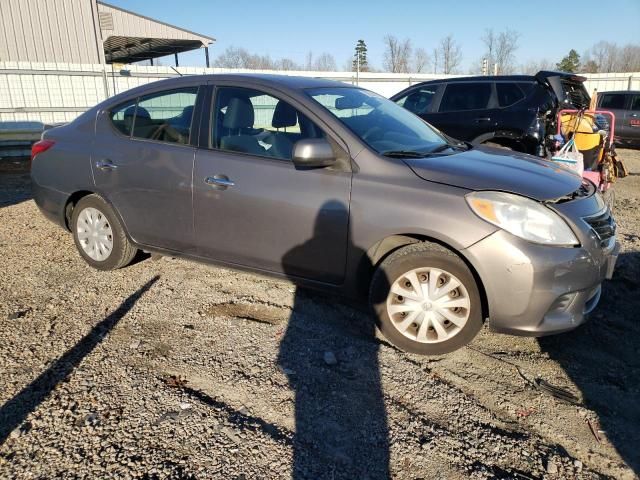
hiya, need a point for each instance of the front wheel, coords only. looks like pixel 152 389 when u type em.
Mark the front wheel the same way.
pixel 99 236
pixel 426 300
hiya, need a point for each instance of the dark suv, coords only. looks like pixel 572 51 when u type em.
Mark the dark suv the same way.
pixel 626 107
pixel 513 111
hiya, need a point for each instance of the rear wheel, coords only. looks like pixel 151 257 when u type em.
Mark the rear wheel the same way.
pixel 426 300
pixel 99 236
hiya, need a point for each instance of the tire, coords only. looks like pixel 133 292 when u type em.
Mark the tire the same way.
pixel 446 269
pixel 112 248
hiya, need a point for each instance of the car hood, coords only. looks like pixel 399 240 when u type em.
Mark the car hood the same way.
pixel 485 168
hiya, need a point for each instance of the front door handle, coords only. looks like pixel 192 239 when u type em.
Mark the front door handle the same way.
pixel 219 182
pixel 106 165
pixel 483 119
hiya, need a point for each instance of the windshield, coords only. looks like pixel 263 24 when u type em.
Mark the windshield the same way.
pixel 386 127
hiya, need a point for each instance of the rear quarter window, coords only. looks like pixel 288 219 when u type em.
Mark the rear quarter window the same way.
pixel 508 94
pixel 122 117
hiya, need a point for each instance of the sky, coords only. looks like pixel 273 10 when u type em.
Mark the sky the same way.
pixel 291 28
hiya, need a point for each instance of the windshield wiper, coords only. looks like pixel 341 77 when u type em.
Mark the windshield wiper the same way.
pixel 404 154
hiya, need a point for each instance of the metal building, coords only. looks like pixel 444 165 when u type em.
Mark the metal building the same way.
pixel 87 32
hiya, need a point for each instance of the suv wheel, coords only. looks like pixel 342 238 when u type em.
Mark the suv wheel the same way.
pixel 426 300
pixel 99 235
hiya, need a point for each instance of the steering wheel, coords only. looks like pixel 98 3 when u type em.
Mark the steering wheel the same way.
pixel 168 133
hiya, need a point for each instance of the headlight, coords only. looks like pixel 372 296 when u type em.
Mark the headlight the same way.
pixel 522 217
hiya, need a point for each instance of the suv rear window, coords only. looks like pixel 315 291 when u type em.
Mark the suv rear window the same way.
pixel 575 93
pixel 465 96
pixel 612 100
pixel 508 94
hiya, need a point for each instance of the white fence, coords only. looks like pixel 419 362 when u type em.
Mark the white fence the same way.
pixel 54 92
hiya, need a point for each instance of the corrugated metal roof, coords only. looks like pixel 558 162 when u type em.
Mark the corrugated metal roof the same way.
pixel 66 31
pixel 130 24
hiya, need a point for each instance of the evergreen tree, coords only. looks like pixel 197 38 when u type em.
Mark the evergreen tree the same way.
pixel 570 63
pixel 361 55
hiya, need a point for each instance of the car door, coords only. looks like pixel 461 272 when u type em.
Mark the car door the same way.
pixel 616 103
pixel 142 162
pixel 466 110
pixel 252 206
pixel 632 119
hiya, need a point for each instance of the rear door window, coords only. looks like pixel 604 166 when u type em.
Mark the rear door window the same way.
pixel 508 94
pixel 465 96
pixel 166 116
pixel 635 103
pixel 419 101
pixel 613 100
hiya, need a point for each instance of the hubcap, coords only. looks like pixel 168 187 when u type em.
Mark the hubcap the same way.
pixel 94 234
pixel 428 305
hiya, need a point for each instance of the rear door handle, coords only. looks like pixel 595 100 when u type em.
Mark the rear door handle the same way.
pixel 483 119
pixel 106 165
pixel 219 182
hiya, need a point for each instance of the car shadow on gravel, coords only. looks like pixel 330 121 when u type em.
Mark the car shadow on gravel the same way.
pixel 14 188
pixel 15 411
pixel 602 358
pixel 340 418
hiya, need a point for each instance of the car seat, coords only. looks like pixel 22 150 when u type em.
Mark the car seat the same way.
pixel 239 116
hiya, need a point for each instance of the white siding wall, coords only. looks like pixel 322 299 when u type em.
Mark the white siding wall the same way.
pixel 54 92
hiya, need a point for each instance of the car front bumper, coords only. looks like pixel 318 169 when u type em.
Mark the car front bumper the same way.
pixel 537 290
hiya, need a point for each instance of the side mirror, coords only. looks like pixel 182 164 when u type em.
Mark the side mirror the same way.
pixel 313 152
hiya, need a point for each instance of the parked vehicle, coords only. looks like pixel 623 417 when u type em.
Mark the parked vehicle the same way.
pixel 511 111
pixel 625 105
pixel 336 188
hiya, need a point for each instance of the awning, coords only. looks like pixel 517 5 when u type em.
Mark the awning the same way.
pixel 134 49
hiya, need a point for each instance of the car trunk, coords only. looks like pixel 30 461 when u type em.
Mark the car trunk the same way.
pixel 568 88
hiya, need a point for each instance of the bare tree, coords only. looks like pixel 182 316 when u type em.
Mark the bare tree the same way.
pixel 604 54
pixel 325 63
pixel 420 60
pixel 534 66
pixel 436 58
pixel 397 54
pixel 500 49
pixel 489 39
pixel 232 57
pixel 286 64
pixel 450 54
pixel 629 58
pixel 506 46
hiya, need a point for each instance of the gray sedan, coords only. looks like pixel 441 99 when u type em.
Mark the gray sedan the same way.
pixel 337 188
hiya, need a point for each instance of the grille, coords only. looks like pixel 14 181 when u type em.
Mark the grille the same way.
pixel 603 225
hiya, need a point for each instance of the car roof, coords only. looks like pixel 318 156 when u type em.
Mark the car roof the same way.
pixel 633 92
pixel 509 78
pixel 483 78
pixel 258 79
pixel 289 81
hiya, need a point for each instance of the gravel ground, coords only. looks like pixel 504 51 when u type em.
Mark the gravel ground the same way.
pixel 171 369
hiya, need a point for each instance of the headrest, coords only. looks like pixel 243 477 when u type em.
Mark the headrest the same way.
pixel 239 114
pixel 284 115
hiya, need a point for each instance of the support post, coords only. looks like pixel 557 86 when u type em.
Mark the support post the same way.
pixel 151 60
pixel 175 55
pixel 206 55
